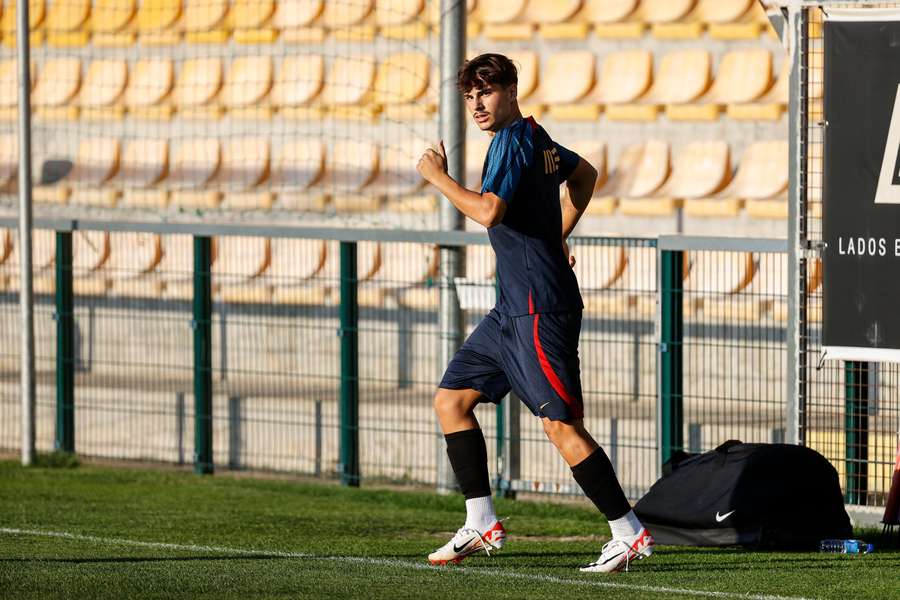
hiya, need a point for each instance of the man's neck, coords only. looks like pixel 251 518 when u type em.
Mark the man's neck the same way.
pixel 514 116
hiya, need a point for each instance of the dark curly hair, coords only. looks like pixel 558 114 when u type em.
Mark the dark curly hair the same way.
pixel 484 70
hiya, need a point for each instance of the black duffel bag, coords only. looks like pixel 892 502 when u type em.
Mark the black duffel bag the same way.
pixel 757 495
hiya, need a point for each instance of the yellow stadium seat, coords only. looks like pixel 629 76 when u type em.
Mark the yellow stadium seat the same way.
pixel 296 20
pixel 351 20
pixel 624 77
pixel 505 19
pixel 407 273
pixel 761 176
pixel 665 11
pixel 618 181
pixel 401 19
pixel 194 164
pixel 294 276
pixel 615 18
pixel 43 255
pixel 90 252
pixel 9 89
pixel 36 16
pixel 352 166
pixel 198 84
pixel 239 262
pixel 104 86
pixel 401 86
pixel 6 245
pixel 566 84
pixel 714 277
pixel 526 62
pixel 570 19
pixel 399 182
pixel 156 21
pixel 647 169
pixel 149 86
pixel 9 160
pixel 132 255
pixel 66 20
pixel 297 86
pixel 59 80
pixel 476 151
pixel 252 21
pixel 771 105
pixel 112 22
pixel 247 83
pixel 699 170
pixel 94 166
pixel 633 292
pixel 598 266
pixel 172 278
pixel 734 19
pixel 594 153
pixel 348 87
pixel 204 21
pixel 768 286
pixel 298 166
pixel 682 77
pixel 743 76
pixel 144 165
pixel 245 165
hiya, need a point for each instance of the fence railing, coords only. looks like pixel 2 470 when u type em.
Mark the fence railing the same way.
pixel 316 351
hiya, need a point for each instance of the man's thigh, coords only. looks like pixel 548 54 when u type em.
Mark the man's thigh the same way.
pixel 478 364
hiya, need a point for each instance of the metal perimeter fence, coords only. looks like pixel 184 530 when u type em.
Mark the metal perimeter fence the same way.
pixel 326 363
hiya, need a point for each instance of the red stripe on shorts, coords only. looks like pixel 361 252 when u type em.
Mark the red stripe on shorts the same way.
pixel 547 368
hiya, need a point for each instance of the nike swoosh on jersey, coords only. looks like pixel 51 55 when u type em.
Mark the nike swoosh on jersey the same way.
pixel 720 518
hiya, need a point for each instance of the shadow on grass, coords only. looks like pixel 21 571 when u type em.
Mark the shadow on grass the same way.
pixel 55 460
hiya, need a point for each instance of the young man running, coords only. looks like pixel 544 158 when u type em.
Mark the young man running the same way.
pixel 529 341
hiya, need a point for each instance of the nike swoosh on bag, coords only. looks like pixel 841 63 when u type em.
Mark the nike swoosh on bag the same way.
pixel 720 518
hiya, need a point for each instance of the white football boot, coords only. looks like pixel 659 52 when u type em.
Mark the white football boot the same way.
pixel 469 541
pixel 616 555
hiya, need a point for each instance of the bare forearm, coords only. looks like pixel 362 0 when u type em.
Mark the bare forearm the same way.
pixel 580 188
pixel 472 204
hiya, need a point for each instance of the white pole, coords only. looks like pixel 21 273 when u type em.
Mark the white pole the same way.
pixel 26 296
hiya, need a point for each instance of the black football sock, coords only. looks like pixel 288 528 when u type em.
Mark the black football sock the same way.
pixel 597 478
pixel 468 457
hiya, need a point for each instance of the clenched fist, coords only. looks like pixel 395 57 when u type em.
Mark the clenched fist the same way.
pixel 433 163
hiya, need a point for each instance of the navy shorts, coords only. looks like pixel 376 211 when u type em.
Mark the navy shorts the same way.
pixel 536 356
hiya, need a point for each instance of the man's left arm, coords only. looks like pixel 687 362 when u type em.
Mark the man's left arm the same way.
pixel 580 185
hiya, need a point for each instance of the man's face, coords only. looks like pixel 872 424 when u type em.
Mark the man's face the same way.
pixel 491 105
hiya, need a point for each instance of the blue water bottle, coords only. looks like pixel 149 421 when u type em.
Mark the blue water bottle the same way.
pixel 845 547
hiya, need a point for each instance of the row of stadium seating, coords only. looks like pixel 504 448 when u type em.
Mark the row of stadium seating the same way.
pixel 66 23
pixel 649 179
pixel 568 86
pixel 615 280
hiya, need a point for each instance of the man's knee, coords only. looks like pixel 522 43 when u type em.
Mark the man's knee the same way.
pixel 450 403
pixel 559 431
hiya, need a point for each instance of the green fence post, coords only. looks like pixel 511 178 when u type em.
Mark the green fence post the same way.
pixel 671 416
pixel 202 325
pixel 856 430
pixel 349 333
pixel 65 345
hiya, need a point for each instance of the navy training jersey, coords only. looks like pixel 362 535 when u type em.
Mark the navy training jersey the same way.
pixel 525 168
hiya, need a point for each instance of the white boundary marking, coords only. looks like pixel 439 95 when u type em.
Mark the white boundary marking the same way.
pixel 393 562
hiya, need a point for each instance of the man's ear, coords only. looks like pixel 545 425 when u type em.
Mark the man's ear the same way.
pixel 514 91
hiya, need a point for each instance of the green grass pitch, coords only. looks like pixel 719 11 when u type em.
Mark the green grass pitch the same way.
pixel 94 532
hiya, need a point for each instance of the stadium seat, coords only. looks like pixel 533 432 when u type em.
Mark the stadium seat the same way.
pixel 43 255
pixel 771 105
pixel 245 165
pixel 198 84
pixel 173 277
pixel 131 256
pixel 156 21
pixel 407 274
pixel 9 160
pixel 645 179
pixel 743 76
pixel 761 176
pixel 204 22
pixel 240 261
pixel 144 165
pixel 103 88
pixel 6 245
pixel 566 83
pixel 96 162
pixel 476 152
pixel 399 182
pixel 296 20
pixel 665 11
pixel 65 24
pixel 624 77
pixel 36 15
pixel 619 181
pixel 615 18
pixel 682 77
pixel 769 286
pixel 503 19
pixel 149 86
pixel 193 165
pixel 350 20
pixel 369 261
pixel 348 87
pixel 779 308
pixel 401 19
pixel 295 275
pixel 111 22
pixel 715 277
pixel 9 89
pixel 59 80
pixel 353 165
pixel 248 81
pixel 298 166
pixel 401 83
pixel 699 170
pixel 598 266
pixel 633 294
pixel 90 251
pixel 297 86
pixel 252 21
pixel 595 154
pixel 734 19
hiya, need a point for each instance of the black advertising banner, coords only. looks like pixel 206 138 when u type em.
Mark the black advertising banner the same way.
pixel 861 188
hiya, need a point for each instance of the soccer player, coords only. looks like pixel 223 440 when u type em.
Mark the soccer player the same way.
pixel 529 341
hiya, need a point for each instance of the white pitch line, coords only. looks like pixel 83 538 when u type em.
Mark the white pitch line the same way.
pixel 393 562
